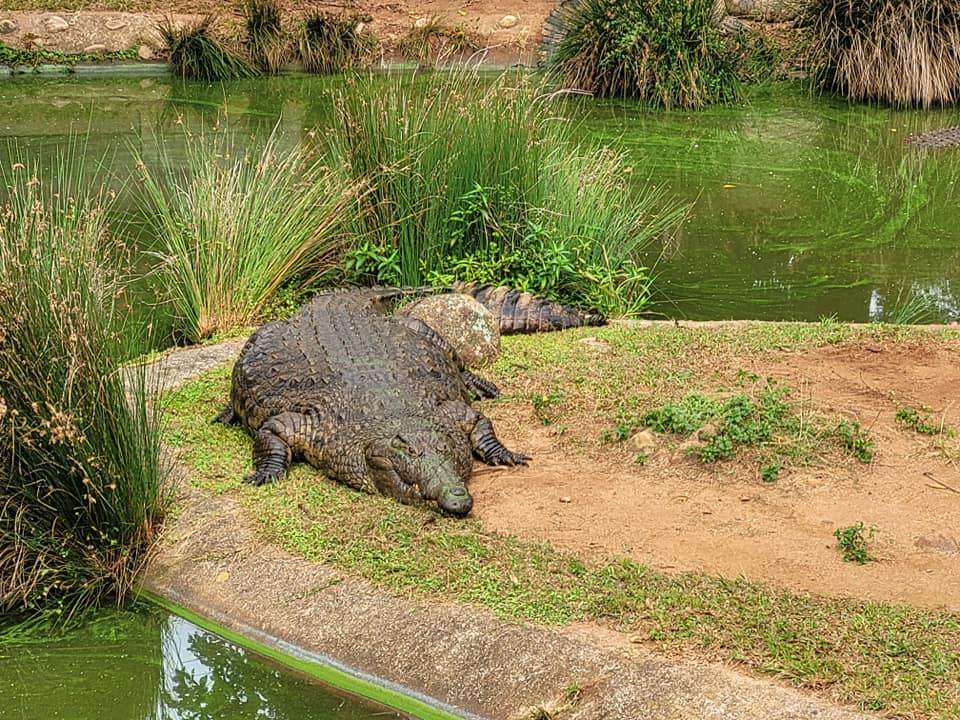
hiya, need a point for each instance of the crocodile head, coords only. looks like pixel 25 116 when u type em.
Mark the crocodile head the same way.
pixel 423 462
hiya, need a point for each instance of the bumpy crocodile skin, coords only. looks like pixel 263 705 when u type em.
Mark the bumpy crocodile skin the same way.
pixel 377 402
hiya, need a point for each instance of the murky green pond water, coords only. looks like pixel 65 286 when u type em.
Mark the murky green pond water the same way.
pixel 154 666
pixel 802 207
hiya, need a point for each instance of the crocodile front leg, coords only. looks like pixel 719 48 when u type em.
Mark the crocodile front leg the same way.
pixel 276 442
pixel 488 447
pixel 483 441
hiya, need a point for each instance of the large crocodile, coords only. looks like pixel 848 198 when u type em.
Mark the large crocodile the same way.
pixel 379 402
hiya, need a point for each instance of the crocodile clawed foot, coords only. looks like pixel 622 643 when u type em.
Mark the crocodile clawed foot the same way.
pixel 509 458
pixel 260 478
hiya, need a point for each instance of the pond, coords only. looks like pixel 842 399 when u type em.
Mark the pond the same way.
pixel 151 665
pixel 802 207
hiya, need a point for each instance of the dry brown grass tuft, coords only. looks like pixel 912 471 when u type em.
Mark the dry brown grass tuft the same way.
pixel 903 52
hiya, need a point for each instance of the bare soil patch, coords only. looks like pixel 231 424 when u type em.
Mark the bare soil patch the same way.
pixel 678 514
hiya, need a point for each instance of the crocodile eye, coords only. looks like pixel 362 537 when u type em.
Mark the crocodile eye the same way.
pixel 405 446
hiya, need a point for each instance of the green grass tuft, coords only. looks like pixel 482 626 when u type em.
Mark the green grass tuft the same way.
pixel 82 490
pixel 195 54
pixel 238 228
pixel 669 53
pixel 478 180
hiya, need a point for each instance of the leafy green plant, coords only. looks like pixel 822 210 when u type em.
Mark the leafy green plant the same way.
pixel 329 43
pixel 667 52
pixel 852 541
pixel 19 58
pixel 922 422
pixel 855 440
pixel 903 52
pixel 82 488
pixel 194 54
pixel 236 227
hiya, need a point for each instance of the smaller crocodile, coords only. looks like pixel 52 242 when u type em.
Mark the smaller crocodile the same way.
pixel 523 312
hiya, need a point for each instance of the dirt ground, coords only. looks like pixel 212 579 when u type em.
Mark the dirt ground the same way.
pixel 679 515
pixel 504 32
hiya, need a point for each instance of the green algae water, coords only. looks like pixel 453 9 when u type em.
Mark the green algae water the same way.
pixel 150 665
pixel 801 207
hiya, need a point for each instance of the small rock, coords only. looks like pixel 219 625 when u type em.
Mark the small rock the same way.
pixel 595 343
pixel 95 49
pixel 467 325
pixel 116 24
pixel 421 23
pixel 55 23
pixel 565 499
pixel 36 44
pixel 7 26
pixel 145 52
pixel 508 21
pixel 644 441
pixel 938 543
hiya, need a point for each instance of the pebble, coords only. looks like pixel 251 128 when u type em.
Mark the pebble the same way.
pixel 421 23
pixel 116 24
pixel 55 23
pixel 95 49
pixel 7 26
pixel 508 21
pixel 145 52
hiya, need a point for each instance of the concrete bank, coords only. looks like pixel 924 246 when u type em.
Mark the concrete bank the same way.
pixel 460 658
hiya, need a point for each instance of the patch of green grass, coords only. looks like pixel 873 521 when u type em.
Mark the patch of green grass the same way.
pixel 923 422
pixel 762 416
pixel 852 541
pixel 898 660
pixel 195 54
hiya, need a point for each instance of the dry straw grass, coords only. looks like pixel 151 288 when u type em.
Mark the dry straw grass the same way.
pixel 903 52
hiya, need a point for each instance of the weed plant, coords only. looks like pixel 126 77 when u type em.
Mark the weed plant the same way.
pixel 669 53
pixel 194 54
pixel 329 44
pixel 852 542
pixel 476 180
pixel 923 422
pixel 763 418
pixel 81 487
pixel 902 52
pixel 237 227
pixel 267 44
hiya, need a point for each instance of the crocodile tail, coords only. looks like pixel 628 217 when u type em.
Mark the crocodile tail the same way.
pixel 523 312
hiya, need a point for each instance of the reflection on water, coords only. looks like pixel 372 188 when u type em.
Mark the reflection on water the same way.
pixel 153 666
pixel 802 207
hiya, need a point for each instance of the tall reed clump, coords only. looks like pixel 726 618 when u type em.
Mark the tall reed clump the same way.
pixel 235 227
pixel 82 491
pixel 195 54
pixel 902 52
pixel 669 53
pixel 476 179
pixel 329 43
pixel 267 43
